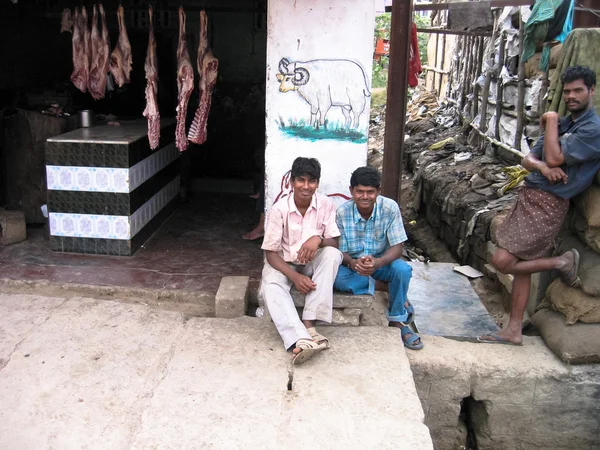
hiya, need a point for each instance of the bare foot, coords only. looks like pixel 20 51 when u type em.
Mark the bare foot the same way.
pixel 515 337
pixel 255 234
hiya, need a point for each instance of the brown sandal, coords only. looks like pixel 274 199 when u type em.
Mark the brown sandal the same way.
pixel 319 338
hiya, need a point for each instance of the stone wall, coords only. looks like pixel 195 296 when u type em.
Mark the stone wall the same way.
pixel 506 397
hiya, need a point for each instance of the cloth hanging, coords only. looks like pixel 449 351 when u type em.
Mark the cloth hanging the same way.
pixel 563 20
pixel 538 24
pixel 414 66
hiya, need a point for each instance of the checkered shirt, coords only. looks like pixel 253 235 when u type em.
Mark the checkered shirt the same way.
pixel 360 237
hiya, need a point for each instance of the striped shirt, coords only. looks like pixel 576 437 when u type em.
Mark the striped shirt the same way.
pixel 360 237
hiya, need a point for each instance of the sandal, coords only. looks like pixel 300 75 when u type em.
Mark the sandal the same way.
pixel 410 309
pixel 570 278
pixel 319 338
pixel 308 349
pixel 409 337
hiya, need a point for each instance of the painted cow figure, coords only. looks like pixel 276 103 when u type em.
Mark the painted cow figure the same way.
pixel 324 83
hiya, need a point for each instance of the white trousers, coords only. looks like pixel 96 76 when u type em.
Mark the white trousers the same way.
pixel 318 304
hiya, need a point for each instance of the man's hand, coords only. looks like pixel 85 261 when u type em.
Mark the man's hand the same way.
pixel 554 175
pixel 366 265
pixel 304 284
pixel 549 117
pixel 308 249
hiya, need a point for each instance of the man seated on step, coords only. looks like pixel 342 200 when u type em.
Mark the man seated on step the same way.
pixel 371 240
pixel 300 246
pixel 563 163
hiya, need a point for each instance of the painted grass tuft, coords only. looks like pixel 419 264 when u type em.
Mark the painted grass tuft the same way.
pixel 331 131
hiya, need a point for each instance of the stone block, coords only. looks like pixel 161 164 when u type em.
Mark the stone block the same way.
pixel 506 280
pixel 450 438
pixel 340 300
pixel 491 249
pixel 423 385
pixel 508 420
pixel 444 414
pixel 504 389
pixel 554 421
pixel 451 389
pixel 12 227
pixel 548 392
pixel 585 395
pixel 346 316
pixel 232 297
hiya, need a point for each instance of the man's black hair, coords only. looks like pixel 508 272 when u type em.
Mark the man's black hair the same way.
pixel 366 176
pixel 306 167
pixel 579 73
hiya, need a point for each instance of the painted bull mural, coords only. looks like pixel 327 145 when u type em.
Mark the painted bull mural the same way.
pixel 324 83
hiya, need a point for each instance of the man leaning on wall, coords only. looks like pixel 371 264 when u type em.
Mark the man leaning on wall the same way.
pixel 563 163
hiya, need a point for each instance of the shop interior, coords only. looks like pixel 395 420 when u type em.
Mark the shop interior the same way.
pixel 202 240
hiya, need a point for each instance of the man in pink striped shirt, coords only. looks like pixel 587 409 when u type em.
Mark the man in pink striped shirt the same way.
pixel 301 249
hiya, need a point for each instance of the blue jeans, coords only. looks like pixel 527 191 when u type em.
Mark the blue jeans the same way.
pixel 397 274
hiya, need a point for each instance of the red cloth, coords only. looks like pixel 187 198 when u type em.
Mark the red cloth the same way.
pixel 414 65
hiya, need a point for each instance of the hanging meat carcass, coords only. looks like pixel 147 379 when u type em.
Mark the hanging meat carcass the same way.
pixel 81 50
pixel 66 23
pixel 185 84
pixel 151 67
pixel 120 58
pixel 208 67
pixel 100 56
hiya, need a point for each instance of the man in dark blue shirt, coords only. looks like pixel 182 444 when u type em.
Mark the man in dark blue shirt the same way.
pixel 563 163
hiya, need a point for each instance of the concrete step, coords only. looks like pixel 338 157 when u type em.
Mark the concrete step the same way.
pixel 186 387
pixel 341 300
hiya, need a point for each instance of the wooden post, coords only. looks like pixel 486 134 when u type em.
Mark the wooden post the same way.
pixel 459 46
pixel 521 88
pixel 395 117
pixel 463 51
pixel 469 71
pixel 499 86
pixel 433 84
pixel 488 80
pixel 442 65
pixel 480 50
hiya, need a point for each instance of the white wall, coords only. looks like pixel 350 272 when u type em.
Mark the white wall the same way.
pixel 306 30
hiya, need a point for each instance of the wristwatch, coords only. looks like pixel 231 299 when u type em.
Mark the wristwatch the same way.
pixel 322 239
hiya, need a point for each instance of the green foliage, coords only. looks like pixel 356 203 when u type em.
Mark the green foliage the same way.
pixel 380 72
pixel 423 38
pixel 383 25
pixel 333 131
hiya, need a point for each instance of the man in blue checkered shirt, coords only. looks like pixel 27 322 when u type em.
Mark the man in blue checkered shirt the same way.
pixel 371 240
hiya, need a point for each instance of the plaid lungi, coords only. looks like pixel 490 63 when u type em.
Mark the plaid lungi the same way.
pixel 531 226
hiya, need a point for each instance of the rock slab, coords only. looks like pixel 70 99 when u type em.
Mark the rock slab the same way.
pixel 232 297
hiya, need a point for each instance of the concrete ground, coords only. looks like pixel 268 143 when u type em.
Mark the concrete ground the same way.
pixel 85 373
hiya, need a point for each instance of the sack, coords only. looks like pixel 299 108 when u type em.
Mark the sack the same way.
pixel 588 204
pixel 573 303
pixel 589 235
pixel 573 344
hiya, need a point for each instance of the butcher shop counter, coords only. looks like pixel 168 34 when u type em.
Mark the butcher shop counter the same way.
pixel 107 190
